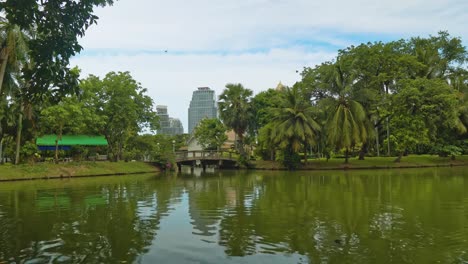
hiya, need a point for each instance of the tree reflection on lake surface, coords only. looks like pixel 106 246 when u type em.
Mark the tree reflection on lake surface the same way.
pixel 398 216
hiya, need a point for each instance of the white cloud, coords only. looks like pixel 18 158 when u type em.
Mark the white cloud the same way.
pixel 171 79
pixel 243 24
pixel 254 42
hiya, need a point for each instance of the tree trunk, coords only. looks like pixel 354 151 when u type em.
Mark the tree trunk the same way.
pixel 377 143
pixel 4 59
pixel 240 146
pixel 120 150
pixel 346 156
pixel 1 150
pixel 398 159
pixel 56 151
pixel 363 151
pixel 388 139
pixel 2 76
pixel 18 135
pixel 305 155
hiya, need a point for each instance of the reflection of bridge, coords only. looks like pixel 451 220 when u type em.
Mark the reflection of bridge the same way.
pixel 204 158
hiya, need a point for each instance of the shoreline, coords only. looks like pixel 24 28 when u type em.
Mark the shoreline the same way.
pixel 47 171
pixel 75 176
pixel 41 171
pixel 370 163
pixel 345 168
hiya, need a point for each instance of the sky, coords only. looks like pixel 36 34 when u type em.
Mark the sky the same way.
pixel 257 43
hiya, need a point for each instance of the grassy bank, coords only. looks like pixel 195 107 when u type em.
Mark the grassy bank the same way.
pixel 71 169
pixel 412 161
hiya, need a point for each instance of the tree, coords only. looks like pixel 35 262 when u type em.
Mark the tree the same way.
pixel 68 115
pixel 294 126
pixel 210 133
pixel 13 49
pixel 262 103
pixel 425 110
pixel 58 24
pixel 346 125
pixel 266 146
pixel 235 111
pixel 441 55
pixel 123 105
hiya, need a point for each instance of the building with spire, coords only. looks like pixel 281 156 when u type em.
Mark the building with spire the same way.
pixel 202 105
pixel 280 87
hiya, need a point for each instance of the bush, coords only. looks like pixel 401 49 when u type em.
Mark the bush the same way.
pixel 447 150
pixel 29 152
pixel 291 160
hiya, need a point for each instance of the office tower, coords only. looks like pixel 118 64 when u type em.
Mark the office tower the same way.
pixel 203 105
pixel 175 126
pixel 161 111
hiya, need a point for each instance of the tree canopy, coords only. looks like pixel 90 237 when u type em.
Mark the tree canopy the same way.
pixel 55 27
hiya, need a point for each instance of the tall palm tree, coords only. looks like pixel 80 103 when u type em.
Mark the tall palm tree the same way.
pixel 294 124
pixel 347 124
pixel 13 54
pixel 235 111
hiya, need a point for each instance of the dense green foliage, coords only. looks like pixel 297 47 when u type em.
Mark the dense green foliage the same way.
pixel 396 98
pixel 121 102
pixel 401 97
pixel 210 134
pixel 54 27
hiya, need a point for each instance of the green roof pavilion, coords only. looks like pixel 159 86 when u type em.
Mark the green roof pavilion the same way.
pixel 69 140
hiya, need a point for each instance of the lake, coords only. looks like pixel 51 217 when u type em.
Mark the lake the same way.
pixel 368 216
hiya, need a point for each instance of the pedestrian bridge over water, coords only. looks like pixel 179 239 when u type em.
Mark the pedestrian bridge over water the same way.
pixel 222 159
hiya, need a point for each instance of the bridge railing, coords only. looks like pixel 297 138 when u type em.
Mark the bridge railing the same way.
pixel 204 154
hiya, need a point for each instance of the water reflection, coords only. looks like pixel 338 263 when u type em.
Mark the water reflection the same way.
pixel 407 216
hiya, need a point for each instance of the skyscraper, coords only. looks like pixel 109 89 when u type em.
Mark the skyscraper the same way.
pixel 203 105
pixel 176 126
pixel 168 125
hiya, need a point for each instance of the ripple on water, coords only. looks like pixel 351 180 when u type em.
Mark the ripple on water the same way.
pixel 44 252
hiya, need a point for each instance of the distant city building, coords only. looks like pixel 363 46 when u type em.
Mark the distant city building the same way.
pixel 203 105
pixel 168 125
pixel 176 126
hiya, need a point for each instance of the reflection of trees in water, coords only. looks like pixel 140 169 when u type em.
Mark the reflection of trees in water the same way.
pixel 215 199
pixel 358 218
pixel 206 200
pixel 102 223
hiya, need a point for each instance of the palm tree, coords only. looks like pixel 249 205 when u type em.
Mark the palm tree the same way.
pixel 13 49
pixel 294 125
pixel 235 111
pixel 13 52
pixel 347 124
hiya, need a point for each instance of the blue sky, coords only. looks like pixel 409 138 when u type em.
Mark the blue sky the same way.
pixel 254 42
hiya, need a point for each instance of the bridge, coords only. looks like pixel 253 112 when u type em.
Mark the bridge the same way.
pixel 206 157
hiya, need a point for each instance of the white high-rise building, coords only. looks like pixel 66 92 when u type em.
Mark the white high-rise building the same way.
pixel 202 105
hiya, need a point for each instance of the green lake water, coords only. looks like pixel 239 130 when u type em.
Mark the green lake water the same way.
pixel 381 216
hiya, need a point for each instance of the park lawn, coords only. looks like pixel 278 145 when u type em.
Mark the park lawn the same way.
pixel 71 169
pixel 410 161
